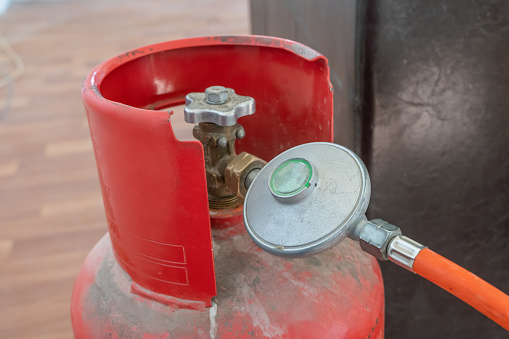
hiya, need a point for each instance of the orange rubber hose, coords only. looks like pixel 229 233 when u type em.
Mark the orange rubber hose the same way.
pixel 456 280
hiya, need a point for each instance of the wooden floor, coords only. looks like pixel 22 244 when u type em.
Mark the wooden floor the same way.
pixel 51 211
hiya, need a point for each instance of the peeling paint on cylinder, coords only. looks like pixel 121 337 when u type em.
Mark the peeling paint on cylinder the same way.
pixel 336 294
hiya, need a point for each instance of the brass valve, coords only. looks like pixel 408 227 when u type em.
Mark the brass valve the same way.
pixel 228 175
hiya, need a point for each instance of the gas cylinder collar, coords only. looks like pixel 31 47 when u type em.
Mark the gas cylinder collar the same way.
pixel 215 112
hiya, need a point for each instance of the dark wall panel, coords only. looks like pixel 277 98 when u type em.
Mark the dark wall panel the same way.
pixel 440 151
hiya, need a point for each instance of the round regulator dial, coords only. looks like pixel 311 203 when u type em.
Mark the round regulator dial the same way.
pixel 306 199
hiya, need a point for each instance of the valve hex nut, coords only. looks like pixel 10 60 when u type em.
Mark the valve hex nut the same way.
pixel 237 171
pixel 375 236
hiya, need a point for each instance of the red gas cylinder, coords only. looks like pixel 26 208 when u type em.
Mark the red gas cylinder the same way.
pixel 169 266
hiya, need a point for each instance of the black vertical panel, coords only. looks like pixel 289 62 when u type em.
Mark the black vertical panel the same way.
pixel 328 26
pixel 440 151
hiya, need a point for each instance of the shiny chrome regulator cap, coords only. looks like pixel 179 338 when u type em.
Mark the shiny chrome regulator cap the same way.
pixel 307 200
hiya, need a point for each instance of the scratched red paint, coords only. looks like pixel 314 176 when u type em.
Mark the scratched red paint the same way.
pixel 156 336
pixel 335 299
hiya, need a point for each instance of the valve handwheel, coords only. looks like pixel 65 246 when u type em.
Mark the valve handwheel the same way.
pixel 218 105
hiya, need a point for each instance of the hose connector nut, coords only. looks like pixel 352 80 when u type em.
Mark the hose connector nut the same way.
pixel 403 251
pixel 375 235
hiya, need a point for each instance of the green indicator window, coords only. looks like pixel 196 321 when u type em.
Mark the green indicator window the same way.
pixel 291 177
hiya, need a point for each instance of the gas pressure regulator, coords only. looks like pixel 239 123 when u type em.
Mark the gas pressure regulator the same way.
pixel 315 195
